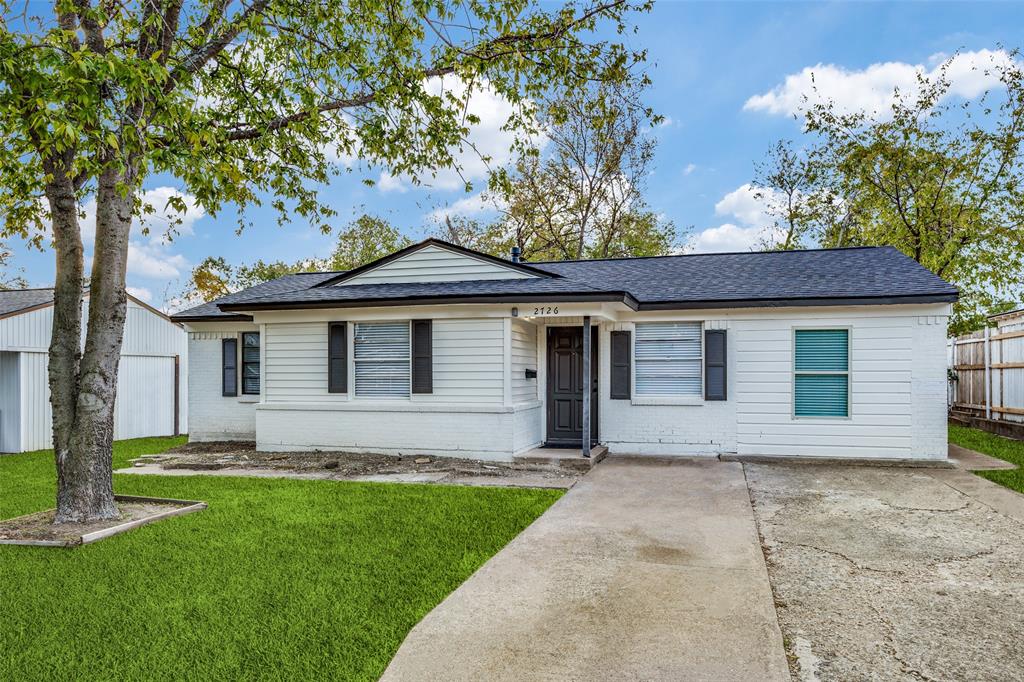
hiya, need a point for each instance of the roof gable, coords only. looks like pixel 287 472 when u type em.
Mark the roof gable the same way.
pixel 433 260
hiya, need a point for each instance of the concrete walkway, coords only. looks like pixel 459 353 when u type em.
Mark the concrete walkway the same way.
pixel 642 571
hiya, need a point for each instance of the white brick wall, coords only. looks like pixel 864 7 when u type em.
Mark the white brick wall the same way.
pixel 211 416
pixel 702 428
pixel 399 429
pixel 929 385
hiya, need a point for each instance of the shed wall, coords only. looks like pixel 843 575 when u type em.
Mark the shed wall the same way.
pixel 145 393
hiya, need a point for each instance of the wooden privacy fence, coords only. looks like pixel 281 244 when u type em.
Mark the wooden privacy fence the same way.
pixel 987 370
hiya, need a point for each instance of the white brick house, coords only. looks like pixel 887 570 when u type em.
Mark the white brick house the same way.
pixel 440 350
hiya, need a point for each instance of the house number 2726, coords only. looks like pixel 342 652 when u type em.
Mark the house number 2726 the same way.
pixel 549 310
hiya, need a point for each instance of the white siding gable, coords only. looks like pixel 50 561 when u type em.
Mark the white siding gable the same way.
pixel 435 264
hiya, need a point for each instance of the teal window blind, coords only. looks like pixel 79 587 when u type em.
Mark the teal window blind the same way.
pixel 821 379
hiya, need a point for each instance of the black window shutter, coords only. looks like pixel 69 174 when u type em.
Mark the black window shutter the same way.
pixel 714 364
pixel 622 356
pixel 229 367
pixel 422 356
pixel 337 357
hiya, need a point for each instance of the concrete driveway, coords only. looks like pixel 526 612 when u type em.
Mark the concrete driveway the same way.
pixel 894 574
pixel 642 571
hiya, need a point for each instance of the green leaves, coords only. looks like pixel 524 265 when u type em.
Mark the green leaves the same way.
pixel 939 178
pixel 238 101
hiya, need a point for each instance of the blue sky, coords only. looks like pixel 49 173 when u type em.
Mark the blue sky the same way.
pixel 726 76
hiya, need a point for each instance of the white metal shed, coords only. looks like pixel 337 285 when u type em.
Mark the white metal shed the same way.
pixel 152 380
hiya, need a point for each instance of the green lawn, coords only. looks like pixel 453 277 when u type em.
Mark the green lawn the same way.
pixel 278 579
pixel 997 446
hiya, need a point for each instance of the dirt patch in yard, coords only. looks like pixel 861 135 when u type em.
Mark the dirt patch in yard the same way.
pixel 38 528
pixel 890 574
pixel 242 459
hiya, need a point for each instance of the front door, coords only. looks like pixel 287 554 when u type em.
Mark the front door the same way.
pixel 565 386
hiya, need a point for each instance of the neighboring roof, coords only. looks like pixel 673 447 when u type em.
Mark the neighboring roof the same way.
pixel 852 276
pixel 518 266
pixel 14 301
pixel 18 301
pixel 1009 314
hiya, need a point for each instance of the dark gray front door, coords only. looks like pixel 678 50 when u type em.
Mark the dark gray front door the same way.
pixel 565 386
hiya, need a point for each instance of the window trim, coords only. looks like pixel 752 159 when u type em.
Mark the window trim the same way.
pixel 638 398
pixel 848 373
pixel 242 363
pixel 354 361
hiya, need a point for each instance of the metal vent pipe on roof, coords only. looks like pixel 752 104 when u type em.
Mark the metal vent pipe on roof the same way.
pixel 516 254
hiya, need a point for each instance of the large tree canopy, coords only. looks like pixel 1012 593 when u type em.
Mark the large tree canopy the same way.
pixel 242 101
pixel 939 178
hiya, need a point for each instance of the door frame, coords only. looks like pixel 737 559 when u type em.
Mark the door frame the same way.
pixel 595 398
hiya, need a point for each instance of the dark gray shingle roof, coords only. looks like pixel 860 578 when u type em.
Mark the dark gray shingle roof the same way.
pixel 13 300
pixel 866 272
pixel 278 287
pixel 855 275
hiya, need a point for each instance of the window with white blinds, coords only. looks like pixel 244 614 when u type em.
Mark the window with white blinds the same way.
pixel 668 359
pixel 382 359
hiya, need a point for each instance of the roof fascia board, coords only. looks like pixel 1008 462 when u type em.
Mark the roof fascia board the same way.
pixel 799 302
pixel 600 297
pixel 440 244
pixel 613 297
pixel 185 319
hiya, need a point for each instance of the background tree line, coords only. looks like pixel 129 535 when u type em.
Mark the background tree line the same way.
pixel 579 193
pixel 939 178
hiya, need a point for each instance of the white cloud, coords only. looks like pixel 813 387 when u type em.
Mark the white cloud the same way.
pixel 749 221
pixel 162 225
pixel 151 255
pixel 872 89
pixel 154 261
pixel 389 183
pixel 690 167
pixel 745 205
pixel 141 293
pixel 469 206
pixel 165 223
pixel 726 237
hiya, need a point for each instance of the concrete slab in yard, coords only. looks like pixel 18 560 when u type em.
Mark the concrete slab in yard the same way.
pixel 641 571
pixel 894 574
pixel 972 460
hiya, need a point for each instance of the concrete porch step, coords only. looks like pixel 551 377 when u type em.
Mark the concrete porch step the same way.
pixel 561 458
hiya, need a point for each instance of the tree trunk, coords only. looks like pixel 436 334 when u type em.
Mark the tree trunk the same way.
pixel 83 389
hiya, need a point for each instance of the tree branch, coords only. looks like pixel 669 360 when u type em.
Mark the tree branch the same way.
pixel 202 55
pixel 252 133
